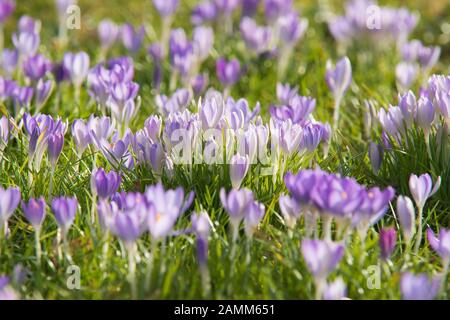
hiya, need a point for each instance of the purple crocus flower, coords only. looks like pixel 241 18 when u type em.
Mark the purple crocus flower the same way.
pixel 440 244
pixel 406 73
pixel 429 56
pixel 249 7
pixel 321 256
pixel 166 7
pixel 337 290
pixel 77 66
pixel 257 38
pixel 6 291
pixel 55 143
pixel 35 212
pixel 422 188
pixel 26 43
pixel 255 213
pixel 22 96
pixel 43 91
pixel 28 24
pixel 425 114
pixel 236 204
pixel 339 77
pixel 202 42
pixel 6 9
pixel 64 209
pixel 239 166
pixel 132 38
pixel 406 215
pixel 419 287
pixel 4 132
pixel 226 7
pixel 204 12
pixel 8 61
pixel 292 28
pixel 105 184
pixel 199 83
pixel 285 93
pixel 108 33
pixel 201 225
pixel 408 106
pixel 9 200
pixel 80 135
pixel 127 226
pixel 375 156
pixel 388 238
pixel 290 209
pixel 276 8
pixel 228 72
pixel 35 67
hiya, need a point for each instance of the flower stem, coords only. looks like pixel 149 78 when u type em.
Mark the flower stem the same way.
pixel 38 248
pixel 419 231
pixel 131 248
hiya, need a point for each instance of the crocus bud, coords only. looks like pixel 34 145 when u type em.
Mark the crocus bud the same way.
pixel 35 67
pixel 132 38
pixel 388 238
pixel 406 73
pixel 339 77
pixel 228 72
pixel 166 7
pixel 419 287
pixel 375 156
pixel 64 210
pixel 6 9
pixel 201 225
pixel 429 56
pixel 77 66
pixel 202 41
pixel 290 210
pixel 408 107
pixel 239 166
pixel 108 33
pixel 106 184
pixel 26 43
pixel 80 135
pixel 35 212
pixel 406 214
pixel 9 200
pixel 255 213
pixel 4 132
pixel 425 114
pixel 422 188
pixel 55 143
pixel 236 204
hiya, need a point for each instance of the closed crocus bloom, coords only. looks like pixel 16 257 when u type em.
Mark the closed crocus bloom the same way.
pixel 43 91
pixel 108 32
pixel 35 67
pixel 388 238
pixel 166 7
pixel 421 188
pixel 64 209
pixel 199 83
pixel 255 213
pixel 408 107
pixel 106 184
pixel 228 72
pixel 127 226
pixel 290 210
pixel 443 101
pixel 292 28
pixel 26 43
pixel 336 290
pixel 201 225
pixel 419 287
pixel 339 77
pixel 55 142
pixel 160 224
pixel 77 66
pixel 406 214
pixel 410 50
pixel 80 135
pixel 257 38
pixel 375 156
pixel 202 40
pixel 211 111
pixel 321 256
pixel 8 61
pixel 429 56
pixel 425 114
pixel 4 132
pixel 406 73
pixel 6 9
pixel 249 7
pixel 132 38
pixel 440 244
pixel 9 200
pixel 236 204
pixel 239 166
pixel 34 212
pixel 28 24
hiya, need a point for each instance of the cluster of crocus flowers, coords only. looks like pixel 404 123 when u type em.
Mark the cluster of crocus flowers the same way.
pixel 365 19
pixel 331 197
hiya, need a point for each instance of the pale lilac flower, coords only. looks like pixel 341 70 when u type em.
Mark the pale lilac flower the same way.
pixel 440 244
pixel 253 216
pixel 226 7
pixel 388 238
pixel 236 204
pixel 55 142
pixel 410 50
pixel 339 77
pixel 419 287
pixel 35 212
pixel 321 257
pixel 228 72
pixel 336 290
pixel 35 67
pixel 408 106
pixel 291 28
pixel 4 132
pixel 108 33
pixel 290 209
pixel 80 135
pixel 256 38
pixel 43 92
pixel 285 93
pixel 429 56
pixel 249 7
pixel 406 215
pixel 211 110
pixel 26 43
pixel 406 73
pixel 9 60
pixel 425 114
pixel 202 41
pixel 422 188
pixel 276 8
pixel 64 209
pixel 77 66
pixel 9 200
pixel 201 225
pixel 166 7
pixel 199 84
pixel 6 291
pixel 205 11
pixel 132 38
pixel 239 166
pixel 128 225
